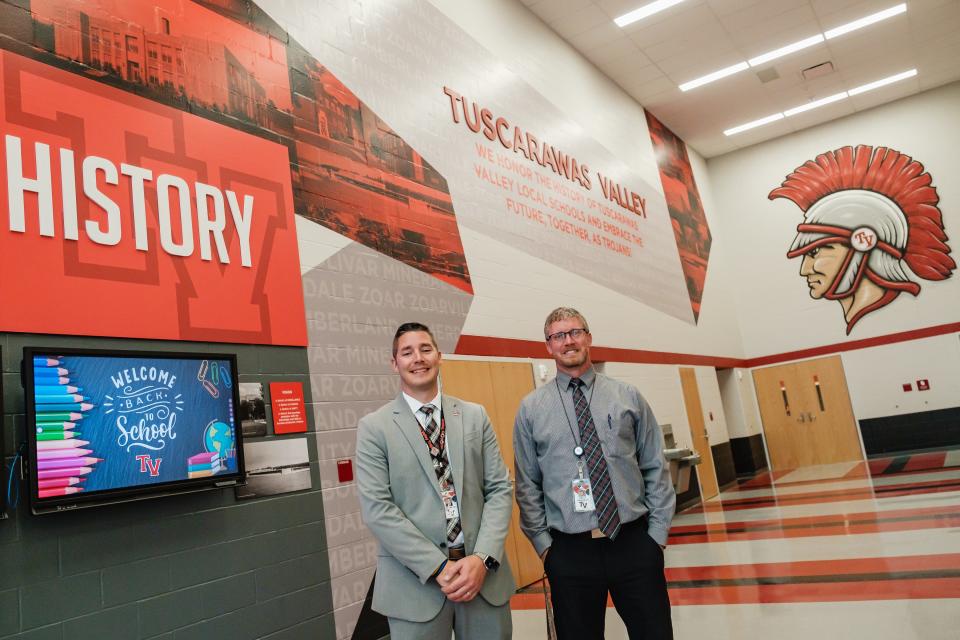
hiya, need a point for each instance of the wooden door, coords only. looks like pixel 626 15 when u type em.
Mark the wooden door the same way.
pixel 706 474
pixel 499 386
pixel 806 412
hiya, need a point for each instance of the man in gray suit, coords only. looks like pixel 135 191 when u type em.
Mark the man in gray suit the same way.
pixel 435 492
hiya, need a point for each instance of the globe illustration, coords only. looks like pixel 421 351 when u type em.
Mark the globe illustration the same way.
pixel 218 438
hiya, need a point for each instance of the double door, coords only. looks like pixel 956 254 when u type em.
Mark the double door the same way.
pixel 806 412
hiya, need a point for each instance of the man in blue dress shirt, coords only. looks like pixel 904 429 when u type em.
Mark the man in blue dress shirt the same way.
pixel 594 491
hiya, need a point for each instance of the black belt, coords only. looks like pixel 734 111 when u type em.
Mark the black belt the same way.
pixel 597 534
pixel 457 553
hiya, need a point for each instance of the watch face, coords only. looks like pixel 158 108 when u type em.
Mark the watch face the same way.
pixel 491 563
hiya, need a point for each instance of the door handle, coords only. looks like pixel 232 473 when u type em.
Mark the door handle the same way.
pixel 816 385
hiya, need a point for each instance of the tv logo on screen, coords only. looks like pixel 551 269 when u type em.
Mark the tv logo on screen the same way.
pixel 147 406
pixel 149 464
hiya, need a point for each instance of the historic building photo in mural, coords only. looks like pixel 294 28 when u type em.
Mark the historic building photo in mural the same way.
pixel 871 227
pixel 226 61
pixel 686 208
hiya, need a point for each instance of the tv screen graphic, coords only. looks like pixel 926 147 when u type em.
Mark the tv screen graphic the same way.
pixel 108 426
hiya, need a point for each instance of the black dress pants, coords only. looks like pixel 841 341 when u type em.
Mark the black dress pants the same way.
pixel 582 570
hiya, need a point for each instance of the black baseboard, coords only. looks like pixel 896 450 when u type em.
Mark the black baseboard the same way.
pixel 691 496
pixel 748 455
pixel 911 431
pixel 723 463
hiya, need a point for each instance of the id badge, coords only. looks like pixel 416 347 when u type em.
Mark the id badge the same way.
pixel 582 495
pixel 450 504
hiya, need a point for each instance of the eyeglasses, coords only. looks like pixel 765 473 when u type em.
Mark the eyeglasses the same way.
pixel 560 336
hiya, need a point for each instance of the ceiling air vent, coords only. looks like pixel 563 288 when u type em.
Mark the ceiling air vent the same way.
pixel 768 75
pixel 818 70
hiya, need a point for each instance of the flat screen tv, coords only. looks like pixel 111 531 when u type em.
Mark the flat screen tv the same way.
pixel 111 426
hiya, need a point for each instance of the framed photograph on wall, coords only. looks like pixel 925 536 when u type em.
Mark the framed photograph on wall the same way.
pixel 253 410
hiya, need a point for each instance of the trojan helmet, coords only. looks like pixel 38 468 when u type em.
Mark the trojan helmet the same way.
pixel 881 204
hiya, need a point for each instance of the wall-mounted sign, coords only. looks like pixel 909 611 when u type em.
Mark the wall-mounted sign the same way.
pixel 125 217
pixel 289 414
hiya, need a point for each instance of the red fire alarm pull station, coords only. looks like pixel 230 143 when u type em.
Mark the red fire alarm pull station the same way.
pixel 907 386
pixel 345 470
pixel 923 385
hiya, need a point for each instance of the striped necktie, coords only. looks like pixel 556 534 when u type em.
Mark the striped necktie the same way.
pixel 608 517
pixel 440 465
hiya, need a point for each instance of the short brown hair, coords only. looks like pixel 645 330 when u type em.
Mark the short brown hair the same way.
pixel 564 313
pixel 407 327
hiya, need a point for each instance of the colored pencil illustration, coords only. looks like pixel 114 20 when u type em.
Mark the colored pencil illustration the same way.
pixel 42 389
pixel 51 416
pixel 43 407
pixel 67 472
pixel 53 483
pixel 55 427
pixel 47 398
pixel 65 463
pixel 57 454
pixel 62 491
pixel 47 445
pixel 57 435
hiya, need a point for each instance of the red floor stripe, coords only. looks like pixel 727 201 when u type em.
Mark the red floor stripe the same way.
pixel 826 568
pixel 874 476
pixel 918 488
pixel 925 461
pixel 808 527
pixel 820 592
pixel 928 588
pixel 879 465
pixel 861 470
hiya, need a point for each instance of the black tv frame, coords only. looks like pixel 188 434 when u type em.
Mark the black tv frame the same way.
pixel 127 494
pixel 4 469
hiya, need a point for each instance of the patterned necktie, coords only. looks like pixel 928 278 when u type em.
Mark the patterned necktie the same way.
pixel 607 516
pixel 440 465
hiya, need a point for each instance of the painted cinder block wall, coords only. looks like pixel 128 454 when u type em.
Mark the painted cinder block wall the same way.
pixel 202 565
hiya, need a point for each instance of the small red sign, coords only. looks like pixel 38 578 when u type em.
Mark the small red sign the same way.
pixel 289 414
pixel 345 470
pixel 907 386
pixel 923 385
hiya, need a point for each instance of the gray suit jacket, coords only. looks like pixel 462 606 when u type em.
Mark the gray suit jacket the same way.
pixel 400 502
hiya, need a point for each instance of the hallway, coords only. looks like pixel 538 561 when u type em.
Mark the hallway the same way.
pixel 870 550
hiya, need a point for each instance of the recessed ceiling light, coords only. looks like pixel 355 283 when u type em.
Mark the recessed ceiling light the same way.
pixel 645 11
pixel 816 103
pixel 863 22
pixel 716 75
pixel 883 82
pixel 754 124
pixel 782 51
pixel 822 101
pixel 790 48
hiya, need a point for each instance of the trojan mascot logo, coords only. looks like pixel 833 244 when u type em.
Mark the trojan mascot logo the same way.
pixel 871 227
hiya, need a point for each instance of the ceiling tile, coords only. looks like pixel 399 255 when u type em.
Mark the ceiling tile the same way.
pixel 581 20
pixel 552 10
pixel 650 58
pixel 597 37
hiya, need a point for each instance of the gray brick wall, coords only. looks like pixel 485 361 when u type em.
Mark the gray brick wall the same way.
pixel 177 568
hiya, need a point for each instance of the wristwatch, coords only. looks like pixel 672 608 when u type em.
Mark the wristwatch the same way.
pixel 488 561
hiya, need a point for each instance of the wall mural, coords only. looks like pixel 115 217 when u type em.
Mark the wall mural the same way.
pixel 156 153
pixel 871 227
pixel 685 206
pixel 166 145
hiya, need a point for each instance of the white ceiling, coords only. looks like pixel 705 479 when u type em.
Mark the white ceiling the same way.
pixel 650 58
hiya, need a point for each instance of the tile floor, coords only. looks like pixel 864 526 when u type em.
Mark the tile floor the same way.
pixel 867 550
